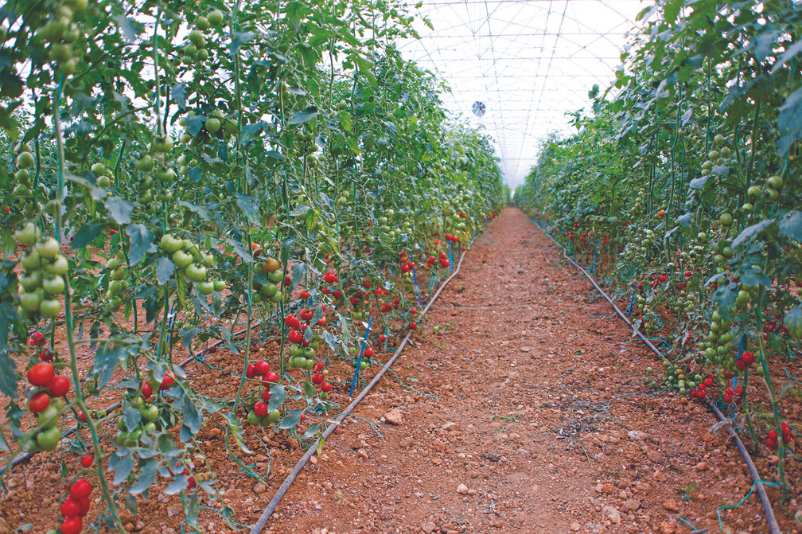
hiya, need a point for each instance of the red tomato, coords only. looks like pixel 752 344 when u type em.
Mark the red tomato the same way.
pixel 317 378
pixel 325 387
pixel 39 401
pixel 146 388
pixel 71 507
pixel 262 367
pixel 260 409
pixel 72 525
pixel 167 382
pixel 40 374
pixel 59 386
pixel 266 395
pixel 87 461
pixel 250 371
pixel 81 489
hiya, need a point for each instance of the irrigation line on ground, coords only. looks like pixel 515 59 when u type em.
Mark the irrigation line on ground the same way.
pixel 761 491
pixel 285 486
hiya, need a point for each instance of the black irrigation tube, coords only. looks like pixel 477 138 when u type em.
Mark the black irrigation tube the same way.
pixel 285 486
pixel 761 491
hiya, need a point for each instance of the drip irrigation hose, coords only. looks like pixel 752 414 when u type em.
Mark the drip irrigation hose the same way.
pixel 761 491
pixel 285 486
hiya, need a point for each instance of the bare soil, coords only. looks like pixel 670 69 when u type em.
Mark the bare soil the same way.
pixel 520 408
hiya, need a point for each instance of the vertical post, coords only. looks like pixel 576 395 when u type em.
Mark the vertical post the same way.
pixel 417 289
pixel 631 301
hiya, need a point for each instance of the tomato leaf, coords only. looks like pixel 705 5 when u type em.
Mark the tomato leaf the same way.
pixel 8 369
pixel 249 207
pixel 164 270
pixel 86 234
pixel 119 209
pixel 179 94
pixel 181 482
pixel 132 417
pixel 298 272
pixel 301 117
pixel 239 248
pixel 791 225
pixel 106 359
pixel 193 419
pixel 311 431
pixel 300 210
pixel 236 431
pixel 122 467
pixel 750 231
pixel 141 242
pixel 292 419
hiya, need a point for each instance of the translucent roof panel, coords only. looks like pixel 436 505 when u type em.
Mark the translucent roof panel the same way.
pixel 527 62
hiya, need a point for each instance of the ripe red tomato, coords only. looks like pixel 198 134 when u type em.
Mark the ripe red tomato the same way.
pixel 325 387
pixel 81 489
pixel 382 338
pixel 412 326
pixel 262 367
pixel 40 374
pixel 304 294
pixel 85 505
pixel 321 322
pixel 317 378
pixel 59 386
pixel 146 388
pixel 368 353
pixel 271 377
pixel 266 395
pixel 167 382
pixel 250 371
pixel 306 314
pixel 748 358
pixel 72 525
pixel 71 507
pixel 46 356
pixel 39 401
pixel 191 483
pixel 87 461
pixel 319 367
pixel 260 409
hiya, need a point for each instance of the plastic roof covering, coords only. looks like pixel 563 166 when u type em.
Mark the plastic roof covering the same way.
pixel 529 61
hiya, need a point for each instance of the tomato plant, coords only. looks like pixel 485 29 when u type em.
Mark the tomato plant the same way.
pixel 684 188
pixel 172 169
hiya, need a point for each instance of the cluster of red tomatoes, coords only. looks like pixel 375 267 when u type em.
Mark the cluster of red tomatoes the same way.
pixel 76 507
pixel 772 440
pixel 444 263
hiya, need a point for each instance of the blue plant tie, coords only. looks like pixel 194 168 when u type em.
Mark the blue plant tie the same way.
pixel 631 302
pixel 450 257
pixel 417 289
pixel 361 352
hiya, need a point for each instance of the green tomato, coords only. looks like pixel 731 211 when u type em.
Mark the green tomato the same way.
pixel 59 267
pixel 49 416
pixel 181 259
pixel 219 285
pixel 196 273
pixel 277 297
pixel 149 412
pixel 31 260
pixel 50 307
pixel 270 289
pixel 206 288
pixel 48 248
pixel 31 280
pixel 275 276
pixel 49 439
pixel 53 285
pixel 27 234
pixel 30 301
pixel 150 428
pixel 273 416
pixel 121 438
pixel 252 418
pixel 215 17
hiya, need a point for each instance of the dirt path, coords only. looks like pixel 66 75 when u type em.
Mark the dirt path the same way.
pixel 528 431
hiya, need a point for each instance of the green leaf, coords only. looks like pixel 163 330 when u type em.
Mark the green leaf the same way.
pixel 249 207
pixel 249 131
pixel 8 372
pixel 793 322
pixel 195 123
pixel 86 234
pixel 298 272
pixel 311 431
pixel 300 210
pixel 164 270
pixel 119 209
pixel 122 468
pixel 301 117
pixel 181 482
pixel 240 250
pixel 277 397
pixel 193 419
pixel 750 231
pixel 202 213
pixel 141 242
pixel 132 418
pixel 791 225
pixel 292 419
pixel 129 29
pixel 236 431
pixel 106 359
pixel 724 297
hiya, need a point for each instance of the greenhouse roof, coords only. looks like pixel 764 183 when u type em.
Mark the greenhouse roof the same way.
pixel 517 67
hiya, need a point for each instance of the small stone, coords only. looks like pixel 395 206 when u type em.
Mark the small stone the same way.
pixel 462 489
pixel 526 349
pixel 575 526
pixel 671 506
pixel 642 487
pixel 701 466
pixel 394 416
pixel 428 527
pixel 632 505
pixel 612 514
pixel 407 442
pixel 362 453
pixel 655 457
pixel 637 435
pixel 129 527
pixel 609 489
pixel 667 528
pixel 259 488
pixel 162 498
